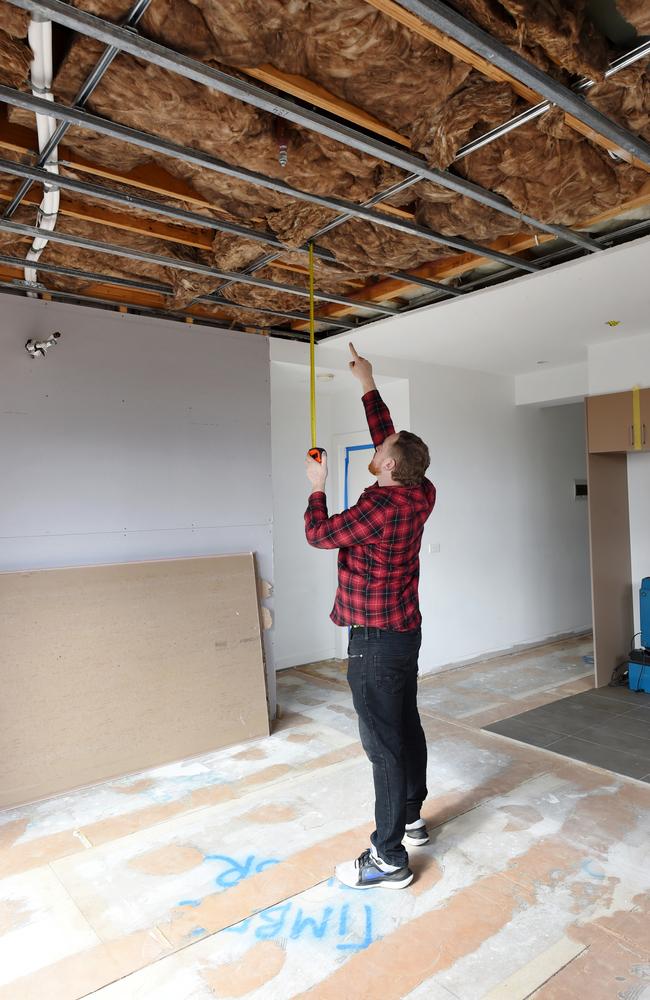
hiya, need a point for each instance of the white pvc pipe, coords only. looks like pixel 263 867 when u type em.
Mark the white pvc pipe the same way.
pixel 40 40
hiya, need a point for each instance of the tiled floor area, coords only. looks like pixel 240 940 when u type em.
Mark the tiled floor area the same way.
pixel 212 877
pixel 609 727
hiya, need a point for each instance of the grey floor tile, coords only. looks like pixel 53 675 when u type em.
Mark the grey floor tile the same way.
pixel 621 697
pixel 590 699
pixel 638 713
pixel 591 753
pixel 519 729
pixel 618 694
pixel 630 723
pixel 611 734
pixel 568 716
pixel 640 700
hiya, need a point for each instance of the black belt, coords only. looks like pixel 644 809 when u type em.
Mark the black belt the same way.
pixel 370 632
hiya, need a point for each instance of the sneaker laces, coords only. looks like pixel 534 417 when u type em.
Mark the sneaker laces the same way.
pixel 365 860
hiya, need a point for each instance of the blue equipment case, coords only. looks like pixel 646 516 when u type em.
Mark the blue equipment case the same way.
pixel 638 668
pixel 644 602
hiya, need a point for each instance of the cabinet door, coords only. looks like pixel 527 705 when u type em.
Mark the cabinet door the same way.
pixel 609 422
pixel 645 419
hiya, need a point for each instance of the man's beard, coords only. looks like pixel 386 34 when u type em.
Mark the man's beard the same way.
pixel 372 469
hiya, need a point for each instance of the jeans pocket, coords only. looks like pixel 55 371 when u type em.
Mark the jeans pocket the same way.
pixel 391 672
pixel 356 662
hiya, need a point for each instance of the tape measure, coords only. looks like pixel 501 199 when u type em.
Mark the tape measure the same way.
pixel 314 452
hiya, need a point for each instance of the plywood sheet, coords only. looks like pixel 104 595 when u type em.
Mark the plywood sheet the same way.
pixel 106 670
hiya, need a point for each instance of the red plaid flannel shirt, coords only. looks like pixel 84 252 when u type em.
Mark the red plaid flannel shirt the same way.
pixel 379 541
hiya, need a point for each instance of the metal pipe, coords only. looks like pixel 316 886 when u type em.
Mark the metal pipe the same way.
pixel 86 90
pixel 338 205
pixel 177 264
pixel 41 72
pixel 281 107
pixel 455 26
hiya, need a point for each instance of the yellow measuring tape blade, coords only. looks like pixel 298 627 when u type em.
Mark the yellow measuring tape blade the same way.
pixel 312 354
pixel 636 417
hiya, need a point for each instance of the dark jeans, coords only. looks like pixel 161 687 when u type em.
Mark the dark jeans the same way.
pixel 383 678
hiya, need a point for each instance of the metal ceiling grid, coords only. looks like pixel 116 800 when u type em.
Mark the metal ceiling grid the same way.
pixel 121 39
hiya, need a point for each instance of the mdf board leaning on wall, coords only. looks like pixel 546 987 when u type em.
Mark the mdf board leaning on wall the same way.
pixel 106 670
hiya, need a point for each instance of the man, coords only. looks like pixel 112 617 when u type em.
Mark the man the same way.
pixel 378 571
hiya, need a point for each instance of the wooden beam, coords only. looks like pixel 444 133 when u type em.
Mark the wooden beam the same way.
pixel 436 37
pixel 313 93
pixel 454 267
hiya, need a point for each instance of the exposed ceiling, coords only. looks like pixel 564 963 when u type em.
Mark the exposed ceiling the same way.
pixel 419 159
pixel 551 317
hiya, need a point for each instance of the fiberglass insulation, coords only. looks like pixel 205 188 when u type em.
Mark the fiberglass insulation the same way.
pixel 437 102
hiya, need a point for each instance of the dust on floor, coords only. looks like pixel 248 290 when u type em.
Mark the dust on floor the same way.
pixel 213 877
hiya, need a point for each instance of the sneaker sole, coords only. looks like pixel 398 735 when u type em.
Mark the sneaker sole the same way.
pixel 415 843
pixel 402 884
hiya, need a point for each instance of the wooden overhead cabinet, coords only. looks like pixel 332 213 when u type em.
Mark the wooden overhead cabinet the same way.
pixel 611 423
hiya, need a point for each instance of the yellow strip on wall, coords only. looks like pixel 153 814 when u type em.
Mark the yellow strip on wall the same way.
pixel 636 417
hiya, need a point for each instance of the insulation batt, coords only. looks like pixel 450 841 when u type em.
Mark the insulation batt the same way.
pixel 15 53
pixel 365 57
pixel 558 37
pixel 637 12
pixel 626 98
pixel 284 300
pixel 556 179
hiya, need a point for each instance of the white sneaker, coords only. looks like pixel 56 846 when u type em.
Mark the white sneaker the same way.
pixel 366 873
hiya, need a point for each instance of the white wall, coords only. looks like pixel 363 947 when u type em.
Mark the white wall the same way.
pixel 513 561
pixel 133 439
pixel 552 385
pixel 619 365
pixel 303 594
pixel 305 578
pixel 614 366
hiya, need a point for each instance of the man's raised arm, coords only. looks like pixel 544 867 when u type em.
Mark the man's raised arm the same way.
pixel 377 413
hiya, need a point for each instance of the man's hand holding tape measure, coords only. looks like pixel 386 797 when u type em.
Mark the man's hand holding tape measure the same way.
pixel 317 472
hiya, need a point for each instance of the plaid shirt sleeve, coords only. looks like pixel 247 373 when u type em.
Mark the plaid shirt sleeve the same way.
pixel 378 417
pixel 359 525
